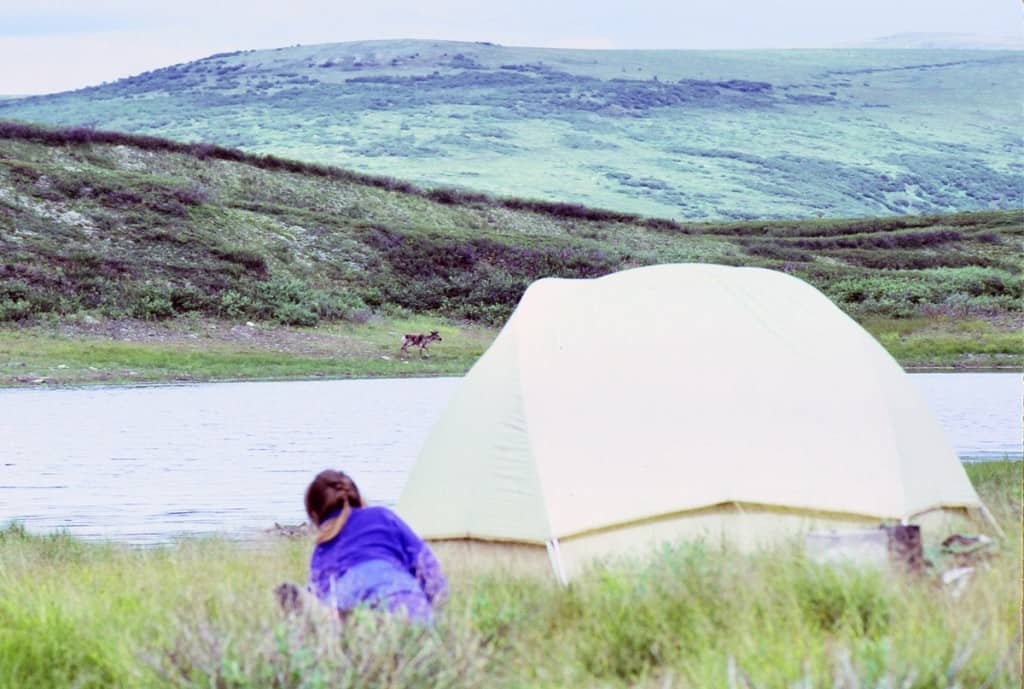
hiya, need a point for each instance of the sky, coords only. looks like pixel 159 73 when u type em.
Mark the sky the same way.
pixel 54 45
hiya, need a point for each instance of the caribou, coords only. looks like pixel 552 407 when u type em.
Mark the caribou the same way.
pixel 419 340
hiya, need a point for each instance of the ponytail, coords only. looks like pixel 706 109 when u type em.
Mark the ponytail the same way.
pixel 331 490
pixel 332 527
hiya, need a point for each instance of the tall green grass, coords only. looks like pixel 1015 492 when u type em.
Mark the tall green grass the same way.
pixel 202 614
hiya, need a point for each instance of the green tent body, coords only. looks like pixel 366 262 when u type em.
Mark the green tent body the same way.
pixel 677 402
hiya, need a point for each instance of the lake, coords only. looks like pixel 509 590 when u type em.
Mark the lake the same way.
pixel 147 464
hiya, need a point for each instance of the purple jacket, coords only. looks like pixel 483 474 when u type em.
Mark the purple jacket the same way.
pixel 377 560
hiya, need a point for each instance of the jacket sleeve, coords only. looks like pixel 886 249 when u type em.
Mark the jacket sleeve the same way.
pixel 319 578
pixel 422 564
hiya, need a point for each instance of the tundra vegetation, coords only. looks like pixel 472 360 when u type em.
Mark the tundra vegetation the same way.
pixel 126 257
pixel 684 134
pixel 201 613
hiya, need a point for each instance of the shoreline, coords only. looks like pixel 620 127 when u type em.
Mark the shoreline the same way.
pixel 101 385
pixel 88 352
pixel 130 384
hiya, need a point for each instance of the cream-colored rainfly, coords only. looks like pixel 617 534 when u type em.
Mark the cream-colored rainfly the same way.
pixel 674 402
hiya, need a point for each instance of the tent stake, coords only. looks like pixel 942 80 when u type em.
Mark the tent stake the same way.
pixel 992 521
pixel 555 554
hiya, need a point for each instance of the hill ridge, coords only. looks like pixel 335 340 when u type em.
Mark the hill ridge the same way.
pixel 203 150
pixel 687 135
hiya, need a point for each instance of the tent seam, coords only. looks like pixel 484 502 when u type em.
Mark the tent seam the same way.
pixel 549 531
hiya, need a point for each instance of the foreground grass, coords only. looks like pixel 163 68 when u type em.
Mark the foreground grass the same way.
pixel 201 614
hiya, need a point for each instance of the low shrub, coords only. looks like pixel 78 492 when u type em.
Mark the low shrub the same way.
pixel 664 225
pixel 479 278
pixel 188 299
pixel 252 261
pixel 908 260
pixel 234 304
pixel 16 300
pixel 489 314
pixel 977 281
pixel 450 196
pixel 901 240
pixel 15 310
pixel 345 306
pixel 777 251
pixel 290 313
pixel 279 291
pixel 152 302
pixel 573 211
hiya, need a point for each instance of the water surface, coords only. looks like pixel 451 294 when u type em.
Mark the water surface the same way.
pixel 146 464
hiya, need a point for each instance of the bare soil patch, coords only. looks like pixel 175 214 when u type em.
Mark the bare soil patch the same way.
pixel 195 332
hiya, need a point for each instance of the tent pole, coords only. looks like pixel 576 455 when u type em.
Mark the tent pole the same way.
pixel 555 555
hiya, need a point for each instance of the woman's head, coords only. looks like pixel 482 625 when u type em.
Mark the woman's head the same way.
pixel 330 490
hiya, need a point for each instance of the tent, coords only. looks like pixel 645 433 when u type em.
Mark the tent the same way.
pixel 677 402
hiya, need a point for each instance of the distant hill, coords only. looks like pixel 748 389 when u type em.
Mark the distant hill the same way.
pixel 680 134
pixel 939 41
pixel 139 226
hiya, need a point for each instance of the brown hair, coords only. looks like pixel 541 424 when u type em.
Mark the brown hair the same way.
pixel 329 491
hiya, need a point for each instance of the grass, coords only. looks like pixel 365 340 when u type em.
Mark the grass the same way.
pixel 201 614
pixel 215 351
pixel 948 342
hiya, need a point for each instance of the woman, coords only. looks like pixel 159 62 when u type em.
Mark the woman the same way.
pixel 367 555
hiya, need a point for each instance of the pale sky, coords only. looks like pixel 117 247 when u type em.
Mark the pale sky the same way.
pixel 54 45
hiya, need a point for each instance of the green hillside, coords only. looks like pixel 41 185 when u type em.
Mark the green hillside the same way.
pixel 109 226
pixel 692 135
